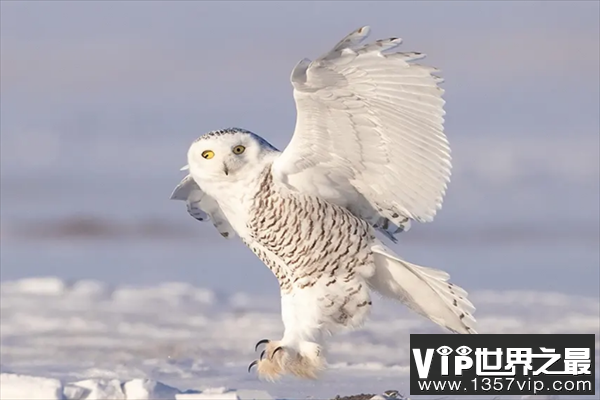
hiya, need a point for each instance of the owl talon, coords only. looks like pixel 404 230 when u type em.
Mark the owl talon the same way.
pixel 275 351
pixel 267 366
pixel 303 361
pixel 263 341
pixel 252 364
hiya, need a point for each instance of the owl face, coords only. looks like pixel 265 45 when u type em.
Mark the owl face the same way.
pixel 223 155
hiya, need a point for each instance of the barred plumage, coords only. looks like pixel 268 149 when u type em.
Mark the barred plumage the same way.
pixel 313 238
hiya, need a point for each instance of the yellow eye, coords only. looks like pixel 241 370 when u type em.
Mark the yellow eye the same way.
pixel 239 149
pixel 208 154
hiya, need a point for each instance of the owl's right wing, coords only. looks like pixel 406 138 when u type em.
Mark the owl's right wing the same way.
pixel 202 206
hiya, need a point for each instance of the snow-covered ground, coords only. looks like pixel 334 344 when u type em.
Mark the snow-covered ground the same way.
pixel 90 340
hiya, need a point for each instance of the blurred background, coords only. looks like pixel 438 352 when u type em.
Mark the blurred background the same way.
pixel 100 101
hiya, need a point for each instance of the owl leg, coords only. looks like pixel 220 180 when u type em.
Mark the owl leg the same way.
pixel 305 361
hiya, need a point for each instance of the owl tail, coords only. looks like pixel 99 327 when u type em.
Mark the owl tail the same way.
pixel 422 289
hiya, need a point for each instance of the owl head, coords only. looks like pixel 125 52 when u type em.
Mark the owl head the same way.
pixel 221 155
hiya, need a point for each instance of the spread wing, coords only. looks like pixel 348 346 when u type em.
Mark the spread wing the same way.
pixel 369 133
pixel 201 206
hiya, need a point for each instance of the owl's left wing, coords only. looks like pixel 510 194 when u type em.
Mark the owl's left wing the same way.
pixel 369 133
pixel 202 206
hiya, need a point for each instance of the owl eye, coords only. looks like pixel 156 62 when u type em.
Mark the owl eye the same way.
pixel 238 149
pixel 208 154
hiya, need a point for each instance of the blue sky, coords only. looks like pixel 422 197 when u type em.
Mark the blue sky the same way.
pixel 527 67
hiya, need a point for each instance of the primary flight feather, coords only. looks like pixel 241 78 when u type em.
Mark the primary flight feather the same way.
pixel 368 155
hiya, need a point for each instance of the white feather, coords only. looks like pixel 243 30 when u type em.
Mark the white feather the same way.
pixel 424 290
pixel 369 132
pixel 202 206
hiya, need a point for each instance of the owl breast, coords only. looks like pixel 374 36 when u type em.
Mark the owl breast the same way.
pixel 316 241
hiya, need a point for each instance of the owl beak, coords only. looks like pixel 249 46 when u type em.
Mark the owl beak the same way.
pixel 184 168
pixel 225 169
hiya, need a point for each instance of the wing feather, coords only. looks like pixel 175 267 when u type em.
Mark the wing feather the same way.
pixel 370 126
pixel 202 206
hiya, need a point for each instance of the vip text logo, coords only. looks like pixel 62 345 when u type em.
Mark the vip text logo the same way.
pixel 502 364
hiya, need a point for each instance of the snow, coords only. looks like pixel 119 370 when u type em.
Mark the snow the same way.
pixel 89 340
pixel 30 387
pixel 16 387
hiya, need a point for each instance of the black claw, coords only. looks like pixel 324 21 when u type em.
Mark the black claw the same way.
pixel 262 354
pixel 275 351
pixel 264 341
pixel 252 364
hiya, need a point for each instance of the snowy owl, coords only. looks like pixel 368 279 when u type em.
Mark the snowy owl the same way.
pixel 368 156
